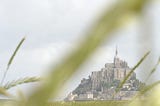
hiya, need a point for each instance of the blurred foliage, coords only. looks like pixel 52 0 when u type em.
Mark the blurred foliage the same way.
pixel 109 22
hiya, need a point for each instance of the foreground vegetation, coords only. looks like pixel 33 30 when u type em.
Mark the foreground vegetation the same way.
pixel 109 22
pixel 91 103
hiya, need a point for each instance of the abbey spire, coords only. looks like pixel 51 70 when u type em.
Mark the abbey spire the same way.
pixel 116 56
pixel 116 53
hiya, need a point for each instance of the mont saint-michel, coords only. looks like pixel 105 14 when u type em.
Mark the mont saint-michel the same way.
pixel 102 85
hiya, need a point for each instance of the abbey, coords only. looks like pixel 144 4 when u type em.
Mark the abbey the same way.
pixel 101 85
pixel 115 71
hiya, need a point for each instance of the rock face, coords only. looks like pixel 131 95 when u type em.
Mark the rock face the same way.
pixel 101 85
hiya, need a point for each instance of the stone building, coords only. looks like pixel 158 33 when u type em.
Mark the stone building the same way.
pixel 102 84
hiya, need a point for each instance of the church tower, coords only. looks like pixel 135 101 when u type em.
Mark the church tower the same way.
pixel 116 59
pixel 116 52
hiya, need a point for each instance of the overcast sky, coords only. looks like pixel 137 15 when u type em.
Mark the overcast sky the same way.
pixel 53 27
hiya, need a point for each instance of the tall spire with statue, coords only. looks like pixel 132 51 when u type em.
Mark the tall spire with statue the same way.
pixel 116 51
pixel 116 55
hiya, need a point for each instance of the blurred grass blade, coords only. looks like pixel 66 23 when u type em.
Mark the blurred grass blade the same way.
pixel 4 92
pixel 21 96
pixel 111 20
pixel 11 59
pixel 21 81
pixel 149 87
pixel 154 69
pixel 145 89
pixel 131 72
pixel 15 52
pixel 22 99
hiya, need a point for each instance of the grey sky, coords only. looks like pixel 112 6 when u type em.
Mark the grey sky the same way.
pixel 53 27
